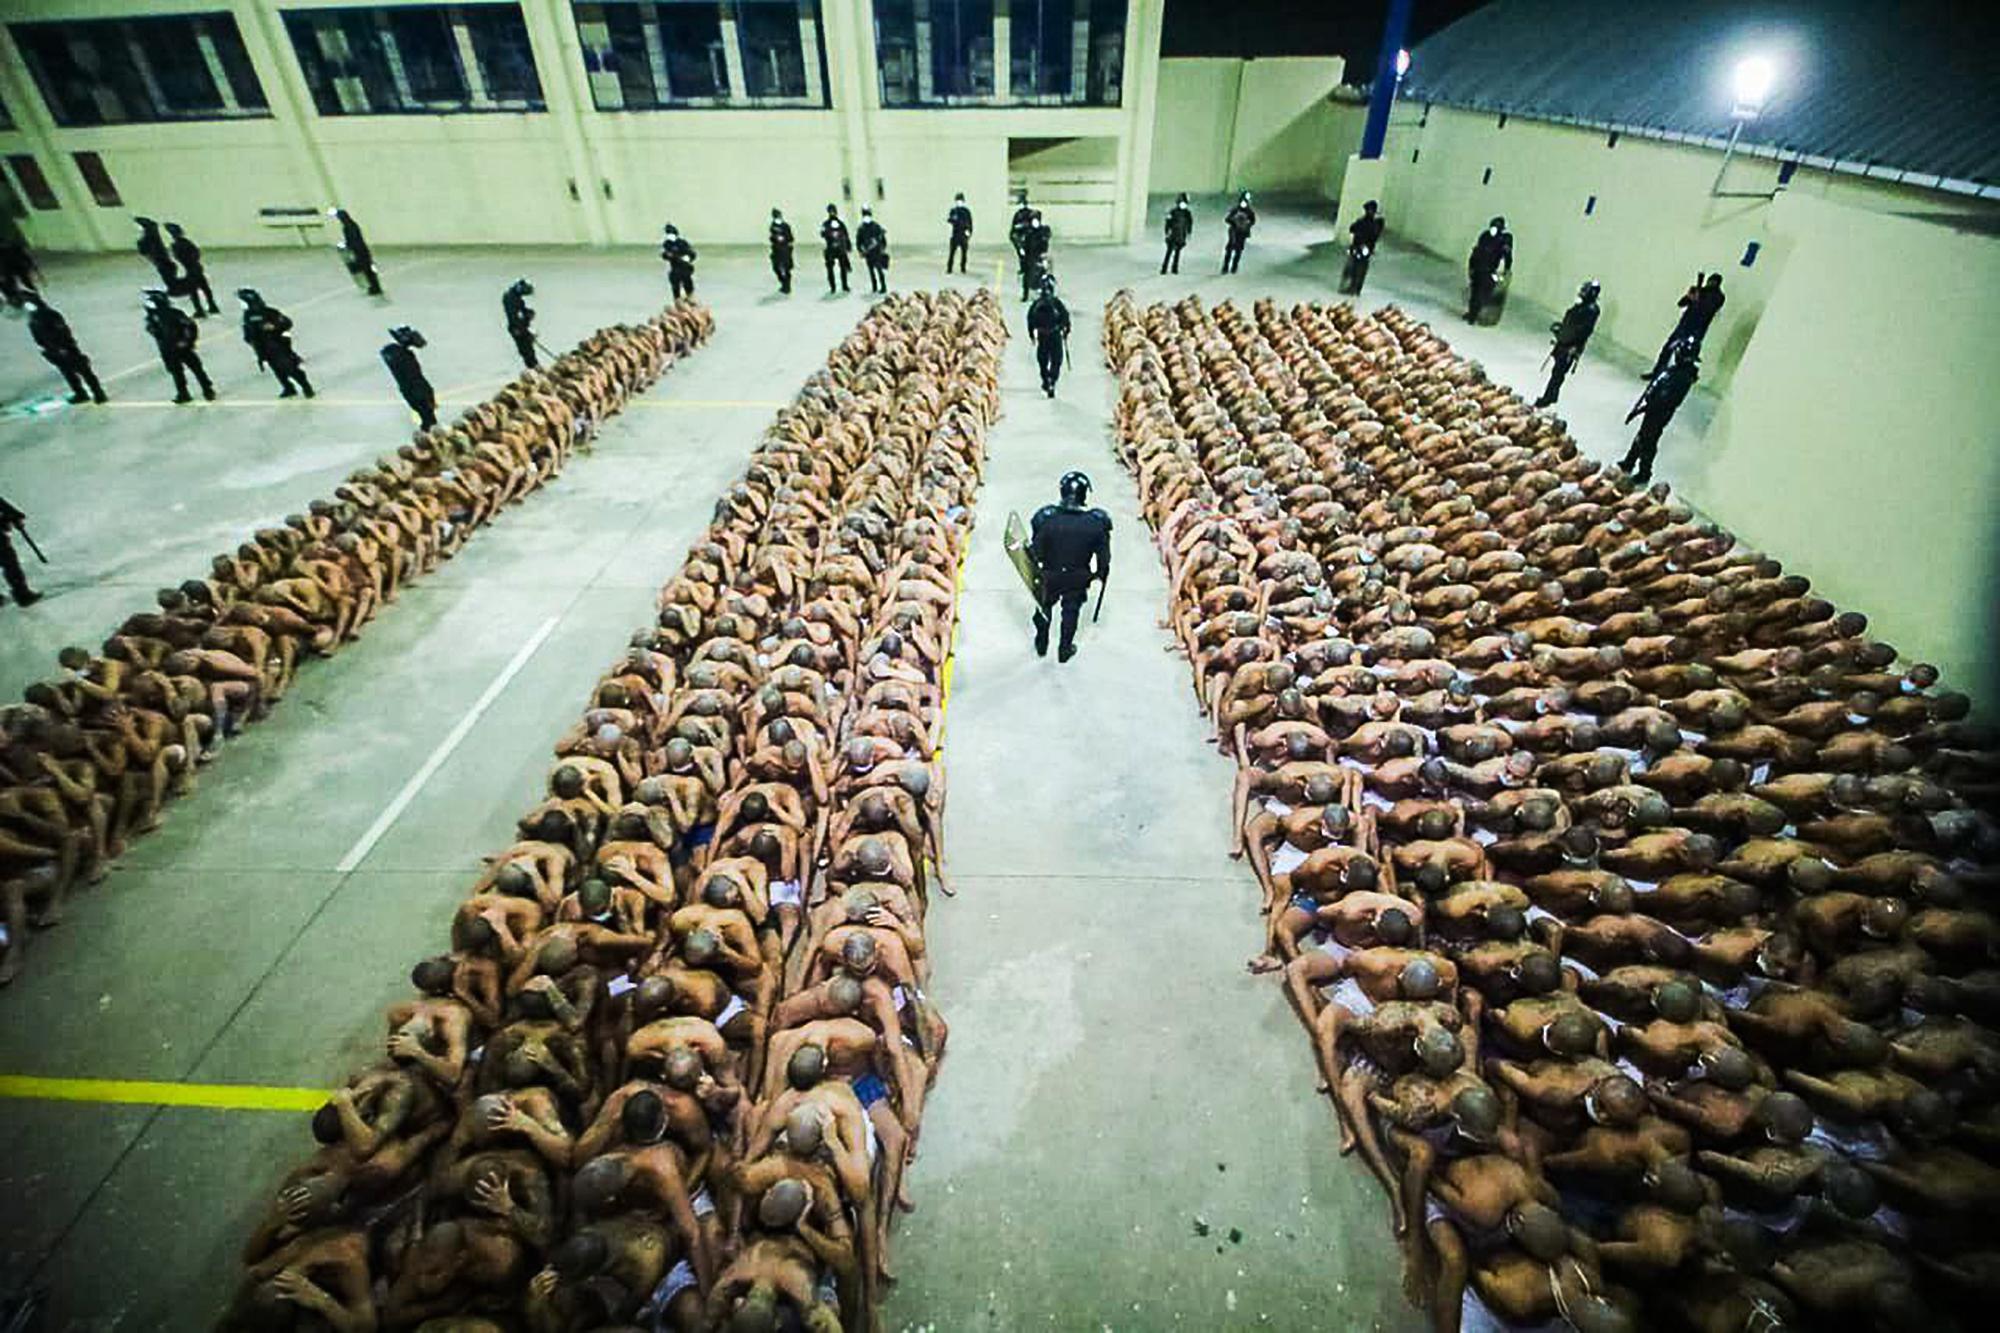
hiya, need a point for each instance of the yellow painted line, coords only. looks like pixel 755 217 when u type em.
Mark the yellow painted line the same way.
pixel 999 274
pixel 950 661
pixel 214 1096
pixel 766 404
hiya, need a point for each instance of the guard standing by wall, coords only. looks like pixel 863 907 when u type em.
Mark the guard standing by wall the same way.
pixel 10 563
pixel 1048 325
pixel 873 242
pixel 174 334
pixel 401 358
pixel 354 250
pixel 1035 241
pixel 1700 304
pixel 268 330
pixel 960 222
pixel 1661 398
pixel 680 261
pixel 194 275
pixel 1571 332
pixel 1363 235
pixel 520 319
pixel 839 245
pixel 1239 220
pixel 154 247
pixel 781 251
pixel 1493 251
pixel 1180 226
pixel 1071 546
pixel 52 334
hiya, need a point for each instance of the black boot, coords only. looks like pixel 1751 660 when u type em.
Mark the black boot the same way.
pixel 1065 651
pixel 1041 635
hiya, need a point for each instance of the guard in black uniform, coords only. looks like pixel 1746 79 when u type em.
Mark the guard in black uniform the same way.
pixel 520 319
pixel 1048 325
pixel 1493 251
pixel 1662 397
pixel 1571 332
pixel 52 334
pixel 839 245
pixel 10 563
pixel 175 335
pixel 194 275
pixel 1035 242
pixel 154 246
pixel 680 261
pixel 1363 235
pixel 781 251
pixel 1071 546
pixel 401 358
pixel 1180 226
pixel 359 258
pixel 960 222
pixel 268 330
pixel 1239 220
pixel 873 243
pixel 1017 226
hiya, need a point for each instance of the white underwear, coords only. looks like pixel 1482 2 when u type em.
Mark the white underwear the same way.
pixel 786 891
pixel 1348 994
pixel 619 984
pixel 1286 859
pixel 730 1010
pixel 703 1204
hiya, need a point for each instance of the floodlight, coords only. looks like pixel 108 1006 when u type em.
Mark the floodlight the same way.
pixel 1402 63
pixel 1753 79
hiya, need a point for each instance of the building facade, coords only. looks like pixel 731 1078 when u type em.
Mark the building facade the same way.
pixel 585 122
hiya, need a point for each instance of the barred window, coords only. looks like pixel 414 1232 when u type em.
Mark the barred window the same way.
pixel 416 59
pixel 133 71
pixel 1000 52
pixel 647 55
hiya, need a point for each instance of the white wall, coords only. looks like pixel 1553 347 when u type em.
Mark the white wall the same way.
pixel 571 174
pixel 1265 124
pixel 1860 442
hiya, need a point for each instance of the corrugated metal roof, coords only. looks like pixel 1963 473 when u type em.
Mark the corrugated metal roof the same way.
pixel 1900 86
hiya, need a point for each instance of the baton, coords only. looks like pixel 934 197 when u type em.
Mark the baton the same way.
pixel 1100 599
pixel 22 528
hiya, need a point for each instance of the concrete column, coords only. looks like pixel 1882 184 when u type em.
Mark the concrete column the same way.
pixel 1139 89
pixel 732 55
pixel 1003 50
pixel 269 47
pixel 559 65
pixel 850 67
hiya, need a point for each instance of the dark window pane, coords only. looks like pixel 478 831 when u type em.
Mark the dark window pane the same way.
pixel 506 64
pixel 1042 46
pixel 413 58
pixel 236 65
pixel 121 71
pixel 102 189
pixel 172 55
pixel 422 39
pixel 896 51
pixel 773 56
pixel 692 33
pixel 1107 52
pixel 962 48
pixel 33 183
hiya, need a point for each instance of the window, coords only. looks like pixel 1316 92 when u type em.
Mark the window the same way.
pixel 644 55
pixel 102 188
pixel 1056 52
pixel 126 71
pixel 33 183
pixel 423 59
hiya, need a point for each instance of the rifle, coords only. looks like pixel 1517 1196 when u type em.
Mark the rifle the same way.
pixel 11 517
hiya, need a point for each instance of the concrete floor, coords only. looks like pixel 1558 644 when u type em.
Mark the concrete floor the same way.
pixel 1116 1082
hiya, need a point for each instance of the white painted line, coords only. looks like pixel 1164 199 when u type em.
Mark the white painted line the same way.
pixel 394 810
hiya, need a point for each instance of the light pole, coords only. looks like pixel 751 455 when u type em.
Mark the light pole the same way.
pixel 1389 70
pixel 1752 82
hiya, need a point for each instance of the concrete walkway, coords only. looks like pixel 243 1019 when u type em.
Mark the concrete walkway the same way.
pixel 1124 1133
